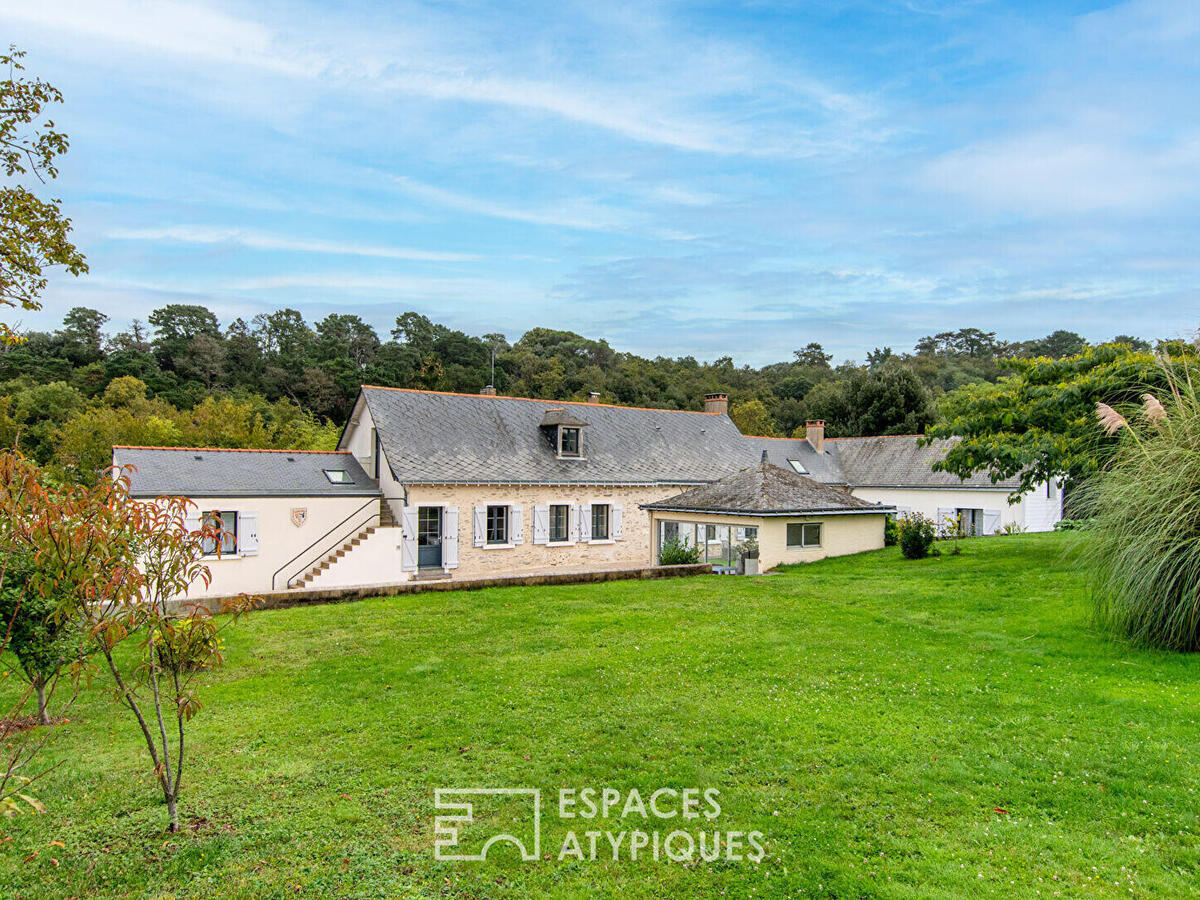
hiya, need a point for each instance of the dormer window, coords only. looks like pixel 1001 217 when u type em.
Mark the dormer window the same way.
pixel 568 440
pixel 564 433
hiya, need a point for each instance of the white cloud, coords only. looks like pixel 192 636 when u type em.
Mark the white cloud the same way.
pixel 663 105
pixel 1068 172
pixel 203 234
pixel 170 27
pixel 574 214
pixel 474 290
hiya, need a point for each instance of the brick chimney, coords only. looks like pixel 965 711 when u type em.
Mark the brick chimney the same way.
pixel 716 403
pixel 814 431
pixel 593 397
pixel 488 391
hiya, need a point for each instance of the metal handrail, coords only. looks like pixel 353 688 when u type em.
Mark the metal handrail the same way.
pixel 322 537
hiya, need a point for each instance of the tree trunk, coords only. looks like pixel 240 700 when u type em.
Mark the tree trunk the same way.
pixel 173 811
pixel 43 713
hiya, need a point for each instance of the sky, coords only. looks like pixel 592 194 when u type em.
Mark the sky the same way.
pixel 711 180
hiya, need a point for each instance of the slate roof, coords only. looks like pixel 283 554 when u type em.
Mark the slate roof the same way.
pixel 888 461
pixel 822 467
pixel 560 416
pixel 767 489
pixel 441 438
pixel 901 461
pixel 205 472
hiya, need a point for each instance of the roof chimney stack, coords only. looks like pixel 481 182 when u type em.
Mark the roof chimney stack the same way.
pixel 593 397
pixel 717 404
pixel 488 391
pixel 814 431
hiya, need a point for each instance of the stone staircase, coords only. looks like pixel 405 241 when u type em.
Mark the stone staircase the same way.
pixel 386 520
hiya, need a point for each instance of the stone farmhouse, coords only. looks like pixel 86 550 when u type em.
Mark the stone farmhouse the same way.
pixel 430 485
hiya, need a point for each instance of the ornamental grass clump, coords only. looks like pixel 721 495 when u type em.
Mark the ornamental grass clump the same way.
pixel 1142 546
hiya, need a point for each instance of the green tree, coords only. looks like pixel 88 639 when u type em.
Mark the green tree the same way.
pixel 1037 423
pixel 34 233
pixel 42 641
pixel 888 400
pixel 175 326
pixel 752 418
pixel 82 335
pixel 814 355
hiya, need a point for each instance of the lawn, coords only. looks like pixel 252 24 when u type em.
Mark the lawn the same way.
pixel 941 728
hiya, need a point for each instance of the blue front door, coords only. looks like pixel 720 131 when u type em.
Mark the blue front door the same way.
pixel 429 537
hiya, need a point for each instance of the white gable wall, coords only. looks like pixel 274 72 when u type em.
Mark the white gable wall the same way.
pixel 357 439
pixel 1031 513
pixel 1043 507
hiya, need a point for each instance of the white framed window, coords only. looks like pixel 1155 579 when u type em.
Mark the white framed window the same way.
pixel 497 525
pixel 601 522
pixel 798 466
pixel 338 476
pixel 227 522
pixel 559 531
pixel 803 535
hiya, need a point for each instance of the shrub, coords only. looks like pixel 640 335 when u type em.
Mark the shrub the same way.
pixel 42 641
pixel 915 534
pixel 1142 548
pixel 1071 524
pixel 889 531
pixel 674 552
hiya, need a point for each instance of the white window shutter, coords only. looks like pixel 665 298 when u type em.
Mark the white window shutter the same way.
pixel 516 524
pixel 450 537
pixel 572 523
pixel 480 529
pixel 192 521
pixel 991 521
pixel 617 533
pixel 585 522
pixel 247 533
pixel 541 524
pixel 947 520
pixel 408 539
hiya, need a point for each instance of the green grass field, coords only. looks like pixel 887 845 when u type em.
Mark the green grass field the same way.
pixel 942 728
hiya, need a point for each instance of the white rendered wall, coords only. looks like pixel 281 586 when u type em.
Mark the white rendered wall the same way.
pixel 278 538
pixel 375 561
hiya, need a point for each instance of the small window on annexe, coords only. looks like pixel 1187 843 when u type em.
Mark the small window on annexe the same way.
pixel 568 441
pixel 803 535
pixel 226 521
pixel 497 524
pixel 338 476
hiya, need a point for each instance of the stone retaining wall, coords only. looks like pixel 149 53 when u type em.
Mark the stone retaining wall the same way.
pixel 284 599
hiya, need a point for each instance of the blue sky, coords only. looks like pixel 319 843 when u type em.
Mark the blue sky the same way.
pixel 705 179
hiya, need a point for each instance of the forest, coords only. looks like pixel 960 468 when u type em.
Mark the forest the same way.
pixel 182 378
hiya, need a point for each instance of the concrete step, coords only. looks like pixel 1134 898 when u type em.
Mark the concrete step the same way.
pixel 432 575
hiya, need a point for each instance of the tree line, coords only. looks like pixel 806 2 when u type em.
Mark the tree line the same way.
pixel 182 378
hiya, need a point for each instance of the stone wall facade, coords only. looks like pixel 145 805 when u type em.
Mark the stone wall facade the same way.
pixel 635 548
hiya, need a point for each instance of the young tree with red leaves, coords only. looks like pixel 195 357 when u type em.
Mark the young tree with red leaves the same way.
pixel 121 568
